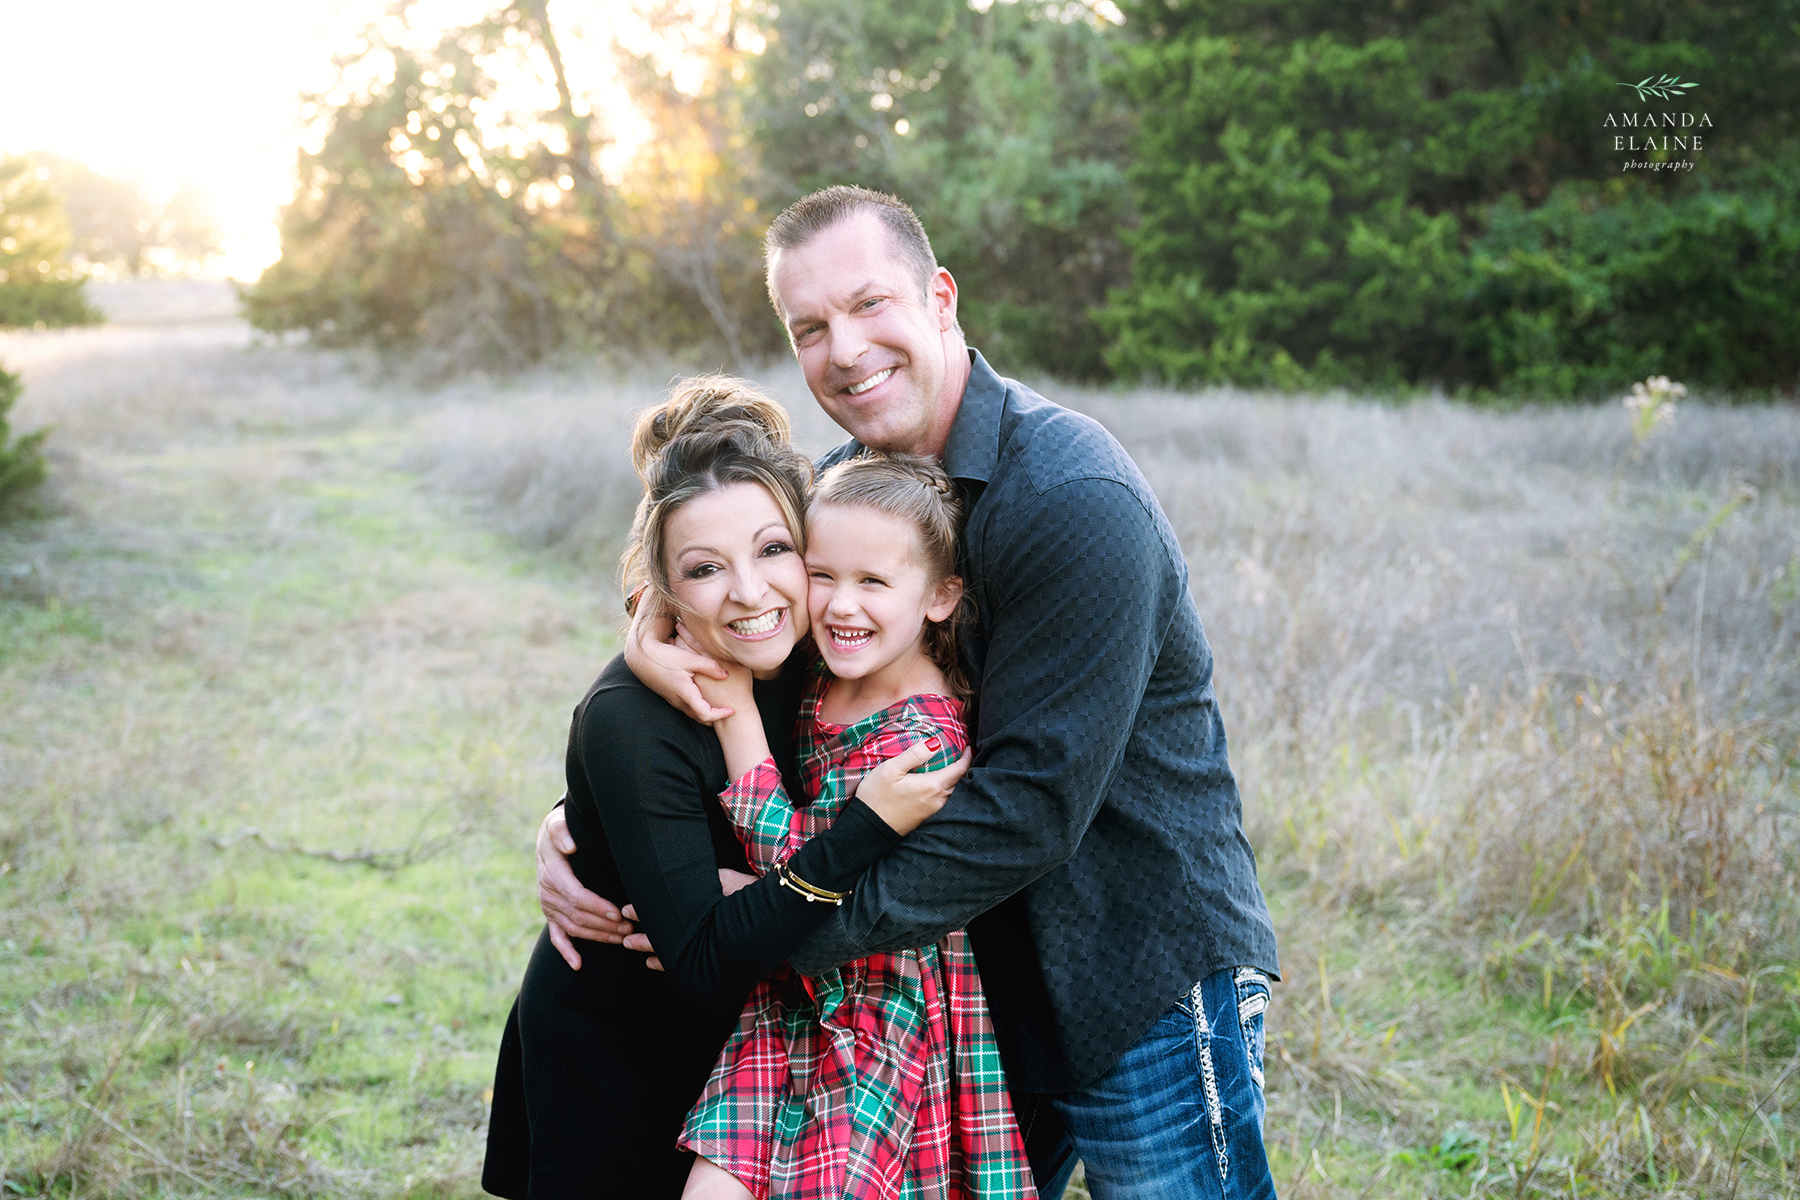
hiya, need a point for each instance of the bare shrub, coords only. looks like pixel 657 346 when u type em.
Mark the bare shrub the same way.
pixel 135 389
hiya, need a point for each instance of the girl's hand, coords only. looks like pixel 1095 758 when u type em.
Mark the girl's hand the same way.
pixel 668 666
pixel 727 697
pixel 903 796
pixel 731 881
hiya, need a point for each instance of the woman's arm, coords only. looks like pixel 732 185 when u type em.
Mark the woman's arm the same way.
pixel 648 775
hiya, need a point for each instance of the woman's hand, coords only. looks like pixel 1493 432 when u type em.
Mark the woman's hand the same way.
pixel 903 796
pixel 668 667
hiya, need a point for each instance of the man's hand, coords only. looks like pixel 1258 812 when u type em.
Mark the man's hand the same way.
pixel 572 910
pixel 729 881
pixel 667 666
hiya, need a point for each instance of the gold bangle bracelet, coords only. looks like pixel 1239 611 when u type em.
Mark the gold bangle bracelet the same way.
pixel 812 892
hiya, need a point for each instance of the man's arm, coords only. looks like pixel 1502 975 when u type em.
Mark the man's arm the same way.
pixel 1084 589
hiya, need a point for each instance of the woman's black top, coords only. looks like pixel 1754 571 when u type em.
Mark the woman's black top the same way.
pixel 599 1067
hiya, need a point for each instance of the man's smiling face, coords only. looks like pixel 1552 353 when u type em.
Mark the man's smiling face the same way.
pixel 876 349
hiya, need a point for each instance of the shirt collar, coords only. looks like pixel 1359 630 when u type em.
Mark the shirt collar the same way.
pixel 973 448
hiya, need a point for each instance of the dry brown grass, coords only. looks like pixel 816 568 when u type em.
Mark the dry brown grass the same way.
pixel 1513 700
pixel 1514 705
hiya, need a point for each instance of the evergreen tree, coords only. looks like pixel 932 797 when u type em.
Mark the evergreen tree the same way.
pixel 995 125
pixel 36 285
pixel 21 459
pixel 1427 191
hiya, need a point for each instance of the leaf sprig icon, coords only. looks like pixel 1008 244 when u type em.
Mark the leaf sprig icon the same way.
pixel 1669 87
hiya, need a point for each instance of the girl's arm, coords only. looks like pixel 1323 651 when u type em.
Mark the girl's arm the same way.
pixel 760 810
pixel 757 801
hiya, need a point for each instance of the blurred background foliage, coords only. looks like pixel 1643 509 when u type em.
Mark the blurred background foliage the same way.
pixel 1428 193
pixel 1414 194
pixel 22 465
pixel 118 230
pixel 409 227
pixel 62 223
pixel 36 285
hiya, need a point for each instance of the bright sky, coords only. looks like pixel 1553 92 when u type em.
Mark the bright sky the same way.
pixel 207 91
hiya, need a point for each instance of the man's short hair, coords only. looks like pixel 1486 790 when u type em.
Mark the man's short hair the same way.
pixel 809 216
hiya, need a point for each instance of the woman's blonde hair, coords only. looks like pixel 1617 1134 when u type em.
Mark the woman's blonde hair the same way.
pixel 712 431
pixel 915 490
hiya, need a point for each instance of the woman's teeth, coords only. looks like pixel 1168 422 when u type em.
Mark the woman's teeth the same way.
pixel 850 639
pixel 857 389
pixel 751 626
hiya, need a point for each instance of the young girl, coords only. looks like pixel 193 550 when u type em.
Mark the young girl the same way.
pixel 881 1078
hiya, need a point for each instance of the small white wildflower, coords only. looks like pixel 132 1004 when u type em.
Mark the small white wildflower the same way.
pixel 1652 405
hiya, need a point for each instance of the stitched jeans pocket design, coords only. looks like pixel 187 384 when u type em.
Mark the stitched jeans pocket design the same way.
pixel 1252 1003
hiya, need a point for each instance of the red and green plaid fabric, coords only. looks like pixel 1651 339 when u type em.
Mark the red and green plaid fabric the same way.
pixel 881 1079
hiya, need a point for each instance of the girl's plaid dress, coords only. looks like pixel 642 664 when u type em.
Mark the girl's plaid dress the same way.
pixel 881 1078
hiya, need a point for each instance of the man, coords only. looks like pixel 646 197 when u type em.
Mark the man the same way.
pixel 1095 850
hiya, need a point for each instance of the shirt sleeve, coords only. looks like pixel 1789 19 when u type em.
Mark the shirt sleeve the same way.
pixel 653 805
pixel 758 805
pixel 1081 594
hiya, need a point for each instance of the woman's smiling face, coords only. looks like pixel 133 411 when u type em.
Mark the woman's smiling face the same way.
pixel 733 566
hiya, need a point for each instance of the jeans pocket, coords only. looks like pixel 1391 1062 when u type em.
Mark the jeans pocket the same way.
pixel 1252 1003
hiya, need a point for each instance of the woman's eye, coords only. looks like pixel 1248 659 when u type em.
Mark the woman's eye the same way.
pixel 774 548
pixel 700 571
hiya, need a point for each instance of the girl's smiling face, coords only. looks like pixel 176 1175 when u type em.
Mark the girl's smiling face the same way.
pixel 870 593
pixel 742 587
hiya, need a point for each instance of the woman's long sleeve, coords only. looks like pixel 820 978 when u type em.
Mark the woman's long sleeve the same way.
pixel 648 772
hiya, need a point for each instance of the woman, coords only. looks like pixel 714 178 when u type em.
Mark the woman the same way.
pixel 598 1067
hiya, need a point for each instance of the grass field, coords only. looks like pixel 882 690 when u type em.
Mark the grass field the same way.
pixel 285 669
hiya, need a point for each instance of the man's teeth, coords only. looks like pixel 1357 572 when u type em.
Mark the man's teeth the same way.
pixel 850 639
pixel 751 626
pixel 857 389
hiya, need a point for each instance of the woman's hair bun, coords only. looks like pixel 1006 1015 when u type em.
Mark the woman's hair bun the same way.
pixel 712 432
pixel 706 404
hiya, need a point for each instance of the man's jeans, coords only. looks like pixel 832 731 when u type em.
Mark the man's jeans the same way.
pixel 1181 1116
